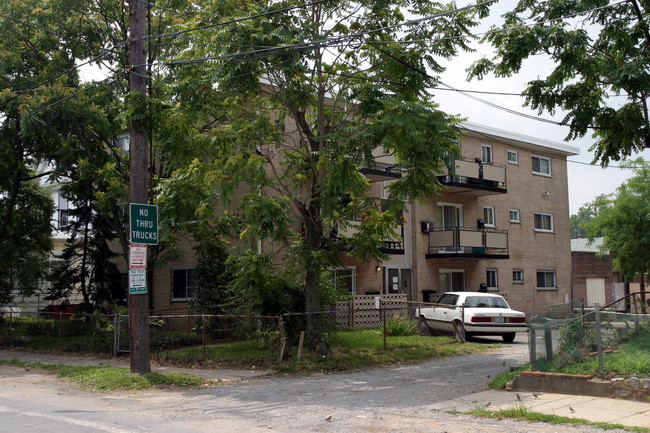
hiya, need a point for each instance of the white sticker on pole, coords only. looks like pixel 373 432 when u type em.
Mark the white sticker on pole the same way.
pixel 137 256
pixel 137 281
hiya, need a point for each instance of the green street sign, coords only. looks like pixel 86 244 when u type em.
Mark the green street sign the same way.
pixel 144 223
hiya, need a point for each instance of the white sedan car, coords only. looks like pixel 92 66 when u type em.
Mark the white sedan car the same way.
pixel 472 313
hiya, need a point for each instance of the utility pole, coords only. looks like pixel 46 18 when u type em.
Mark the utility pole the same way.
pixel 138 168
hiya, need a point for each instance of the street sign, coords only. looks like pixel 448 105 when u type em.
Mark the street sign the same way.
pixel 137 281
pixel 137 256
pixel 144 223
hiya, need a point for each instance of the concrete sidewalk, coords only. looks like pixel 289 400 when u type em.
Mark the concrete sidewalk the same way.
pixel 216 374
pixel 594 409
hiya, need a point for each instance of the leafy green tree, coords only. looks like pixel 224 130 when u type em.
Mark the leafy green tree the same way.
pixel 585 215
pixel 340 83
pixel 51 121
pixel 600 49
pixel 25 247
pixel 624 221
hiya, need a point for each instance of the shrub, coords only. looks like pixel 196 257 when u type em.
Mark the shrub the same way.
pixel 399 327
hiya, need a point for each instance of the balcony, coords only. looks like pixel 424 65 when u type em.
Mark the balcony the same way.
pixel 393 246
pixel 475 178
pixel 381 172
pixel 461 243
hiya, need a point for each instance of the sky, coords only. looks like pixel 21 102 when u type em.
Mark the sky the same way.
pixel 585 181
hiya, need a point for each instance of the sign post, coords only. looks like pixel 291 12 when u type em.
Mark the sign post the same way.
pixel 138 167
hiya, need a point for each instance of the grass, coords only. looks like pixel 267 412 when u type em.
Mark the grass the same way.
pixel 502 379
pixel 626 360
pixel 631 359
pixel 350 350
pixel 115 378
pixel 522 413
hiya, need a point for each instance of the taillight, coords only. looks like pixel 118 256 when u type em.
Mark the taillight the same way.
pixel 517 320
pixel 481 319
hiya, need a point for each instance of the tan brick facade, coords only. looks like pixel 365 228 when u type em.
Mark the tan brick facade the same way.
pixel 529 250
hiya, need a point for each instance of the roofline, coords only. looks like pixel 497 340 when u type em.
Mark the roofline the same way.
pixel 521 139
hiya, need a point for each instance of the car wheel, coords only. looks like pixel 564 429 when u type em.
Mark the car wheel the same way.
pixel 423 328
pixel 509 337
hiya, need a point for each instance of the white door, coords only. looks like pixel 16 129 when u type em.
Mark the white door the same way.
pixel 595 292
pixel 398 280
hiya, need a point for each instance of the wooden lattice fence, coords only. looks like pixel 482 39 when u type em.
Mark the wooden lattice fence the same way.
pixel 363 312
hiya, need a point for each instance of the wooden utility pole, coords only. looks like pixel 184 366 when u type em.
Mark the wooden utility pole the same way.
pixel 138 168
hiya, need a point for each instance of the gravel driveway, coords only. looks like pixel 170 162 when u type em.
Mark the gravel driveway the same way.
pixel 408 398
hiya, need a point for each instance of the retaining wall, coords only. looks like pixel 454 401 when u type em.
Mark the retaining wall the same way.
pixel 577 384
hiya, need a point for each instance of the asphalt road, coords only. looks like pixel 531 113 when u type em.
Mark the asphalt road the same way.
pixel 404 398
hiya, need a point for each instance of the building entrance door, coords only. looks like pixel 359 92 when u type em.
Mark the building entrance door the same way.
pixel 398 280
pixel 451 281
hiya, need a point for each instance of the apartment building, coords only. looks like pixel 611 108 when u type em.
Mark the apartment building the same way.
pixel 501 224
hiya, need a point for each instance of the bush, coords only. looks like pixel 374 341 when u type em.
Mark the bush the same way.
pixel 399 327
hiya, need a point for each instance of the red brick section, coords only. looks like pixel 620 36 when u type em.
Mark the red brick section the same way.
pixel 588 265
pixel 556 375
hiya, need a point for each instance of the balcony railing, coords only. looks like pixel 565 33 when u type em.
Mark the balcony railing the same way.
pixel 477 177
pixel 391 246
pixel 381 172
pixel 462 243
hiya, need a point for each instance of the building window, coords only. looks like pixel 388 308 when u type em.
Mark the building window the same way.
pixel 514 216
pixel 63 217
pixel 546 280
pixel 513 157
pixel 488 216
pixel 542 165
pixel 518 276
pixel 492 279
pixel 543 222
pixel 486 153
pixel 122 142
pixel 183 284
pixel 345 280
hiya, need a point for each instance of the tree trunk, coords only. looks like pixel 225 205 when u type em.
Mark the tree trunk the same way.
pixel 316 340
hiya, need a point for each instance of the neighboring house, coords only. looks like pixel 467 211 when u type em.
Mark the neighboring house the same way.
pixel 594 278
pixel 501 224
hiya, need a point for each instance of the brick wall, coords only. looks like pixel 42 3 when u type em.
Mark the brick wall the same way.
pixel 588 265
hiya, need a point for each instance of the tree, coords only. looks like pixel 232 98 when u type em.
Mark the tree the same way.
pixel 85 266
pixel 49 119
pixel 585 215
pixel 600 50
pixel 342 82
pixel 624 221
pixel 25 248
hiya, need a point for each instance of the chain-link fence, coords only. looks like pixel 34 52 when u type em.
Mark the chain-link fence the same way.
pixel 58 331
pixel 570 334
pixel 367 323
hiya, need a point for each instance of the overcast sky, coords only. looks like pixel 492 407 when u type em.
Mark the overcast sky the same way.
pixel 585 181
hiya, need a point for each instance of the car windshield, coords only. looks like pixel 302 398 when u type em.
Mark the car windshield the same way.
pixel 485 302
